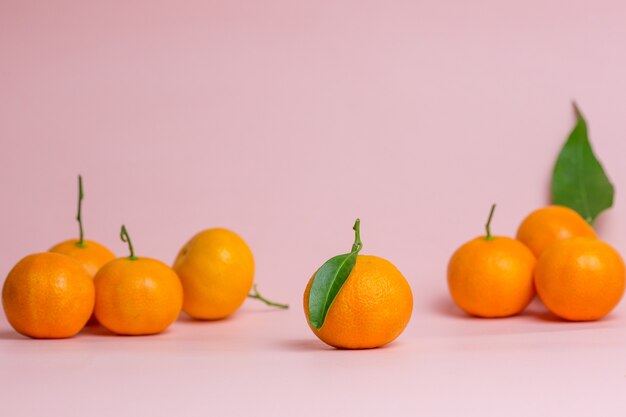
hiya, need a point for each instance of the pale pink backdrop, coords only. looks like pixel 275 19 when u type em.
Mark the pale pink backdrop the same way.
pixel 285 121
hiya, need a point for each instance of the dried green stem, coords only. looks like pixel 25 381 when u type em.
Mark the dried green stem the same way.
pixel 79 217
pixel 126 238
pixel 488 225
pixel 357 245
pixel 256 295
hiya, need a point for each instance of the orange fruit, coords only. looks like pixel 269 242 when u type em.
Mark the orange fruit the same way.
pixel 372 308
pixel 549 224
pixel 216 269
pixel 48 296
pixel 137 296
pixel 492 276
pixel 91 255
pixel 580 279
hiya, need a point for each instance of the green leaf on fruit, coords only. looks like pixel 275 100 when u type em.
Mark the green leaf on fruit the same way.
pixel 578 180
pixel 329 280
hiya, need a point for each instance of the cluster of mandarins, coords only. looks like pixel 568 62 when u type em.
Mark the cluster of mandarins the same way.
pixel 54 294
pixel 577 276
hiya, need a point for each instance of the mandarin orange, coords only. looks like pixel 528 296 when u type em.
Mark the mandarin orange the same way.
pixel 48 295
pixel 137 296
pixel 356 301
pixel 372 308
pixel 491 276
pixel 216 269
pixel 549 224
pixel 91 255
pixel 580 279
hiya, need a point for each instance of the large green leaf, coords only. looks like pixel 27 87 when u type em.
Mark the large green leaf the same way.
pixel 579 181
pixel 329 280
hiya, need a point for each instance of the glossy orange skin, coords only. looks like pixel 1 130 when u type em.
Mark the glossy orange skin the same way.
pixel 216 268
pixel 492 278
pixel 137 297
pixel 92 256
pixel 549 224
pixel 372 308
pixel 580 279
pixel 48 296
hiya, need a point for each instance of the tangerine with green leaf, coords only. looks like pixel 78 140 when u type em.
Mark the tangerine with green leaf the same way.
pixel 491 276
pixel 91 255
pixel 137 296
pixel 358 301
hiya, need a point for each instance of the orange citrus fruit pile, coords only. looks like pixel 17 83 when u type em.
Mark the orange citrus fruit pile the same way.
pixel 577 276
pixel 352 301
pixel 53 294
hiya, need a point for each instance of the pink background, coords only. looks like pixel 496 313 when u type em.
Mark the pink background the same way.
pixel 284 121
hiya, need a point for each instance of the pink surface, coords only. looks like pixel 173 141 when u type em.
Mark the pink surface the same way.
pixel 284 121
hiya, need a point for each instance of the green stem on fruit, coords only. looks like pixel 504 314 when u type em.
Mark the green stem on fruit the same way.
pixel 126 238
pixel 357 245
pixel 79 217
pixel 255 294
pixel 488 225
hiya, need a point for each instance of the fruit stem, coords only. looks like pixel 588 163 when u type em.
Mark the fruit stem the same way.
pixel 79 217
pixel 357 245
pixel 488 225
pixel 259 297
pixel 126 238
